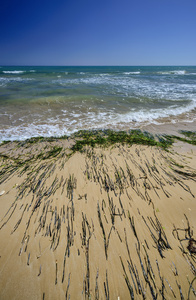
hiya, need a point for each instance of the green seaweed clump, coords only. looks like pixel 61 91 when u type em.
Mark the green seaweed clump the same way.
pixel 34 140
pixel 4 143
pixel 190 137
pixel 51 153
pixel 110 137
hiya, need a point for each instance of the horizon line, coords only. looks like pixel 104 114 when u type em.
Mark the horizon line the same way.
pixel 29 65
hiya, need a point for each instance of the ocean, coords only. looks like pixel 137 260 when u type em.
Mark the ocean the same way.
pixel 56 101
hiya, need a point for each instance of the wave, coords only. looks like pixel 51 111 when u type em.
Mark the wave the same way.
pixel 132 73
pixel 13 80
pixel 132 87
pixel 174 72
pixel 14 72
pixel 66 122
pixel 178 72
pixel 82 98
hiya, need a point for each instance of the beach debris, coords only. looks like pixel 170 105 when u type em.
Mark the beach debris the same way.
pixel 180 290
pixel 28 259
pixel 130 288
pixel 40 269
pixel 191 287
pixel 56 272
pixel 106 287
pixel 2 192
pixel 192 246
pixel 68 284
pixel 170 287
pixel 96 286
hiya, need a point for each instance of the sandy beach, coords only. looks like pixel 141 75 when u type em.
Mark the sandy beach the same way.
pixel 114 222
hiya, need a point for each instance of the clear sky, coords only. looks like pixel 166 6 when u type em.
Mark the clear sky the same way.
pixel 98 32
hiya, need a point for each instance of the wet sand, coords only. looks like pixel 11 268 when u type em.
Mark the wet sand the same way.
pixel 109 223
pixel 170 128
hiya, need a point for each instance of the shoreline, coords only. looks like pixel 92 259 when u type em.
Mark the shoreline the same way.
pixel 107 221
pixel 53 101
pixel 161 129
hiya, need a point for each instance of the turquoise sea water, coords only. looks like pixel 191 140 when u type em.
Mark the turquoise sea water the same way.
pixel 53 101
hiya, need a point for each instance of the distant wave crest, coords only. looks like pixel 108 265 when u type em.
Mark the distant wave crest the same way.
pixel 174 72
pixel 14 72
pixel 132 73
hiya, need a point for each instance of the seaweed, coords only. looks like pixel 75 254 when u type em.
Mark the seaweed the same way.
pixel 189 137
pixel 51 153
pixel 4 143
pixel 189 134
pixel 106 138
pixel 37 139
pixel 110 137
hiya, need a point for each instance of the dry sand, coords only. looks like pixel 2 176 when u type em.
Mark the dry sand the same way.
pixel 103 224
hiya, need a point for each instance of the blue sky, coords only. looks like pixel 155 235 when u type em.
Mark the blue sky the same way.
pixel 98 32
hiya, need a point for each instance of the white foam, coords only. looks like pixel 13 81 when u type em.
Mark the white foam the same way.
pixel 14 72
pixel 178 72
pixel 67 123
pixel 155 114
pixel 174 72
pixel 4 81
pixel 131 73
pixel 132 86
pixel 164 73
